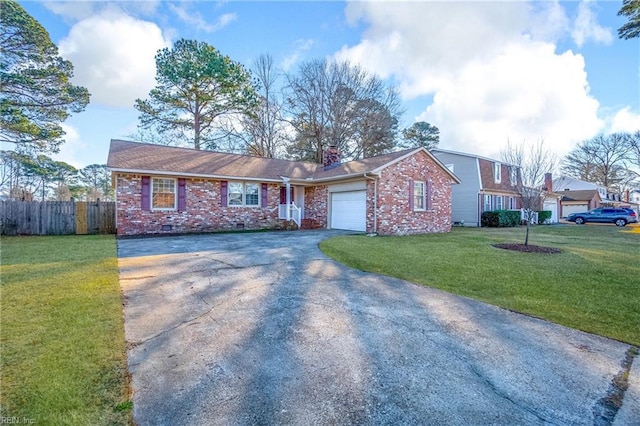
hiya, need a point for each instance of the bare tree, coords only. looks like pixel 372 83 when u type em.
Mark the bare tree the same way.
pixel 336 103
pixel 12 172
pixel 601 160
pixel 24 174
pixel 529 162
pixel 634 142
pixel 263 133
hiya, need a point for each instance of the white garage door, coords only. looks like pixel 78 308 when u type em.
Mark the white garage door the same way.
pixel 552 206
pixel 567 210
pixel 348 210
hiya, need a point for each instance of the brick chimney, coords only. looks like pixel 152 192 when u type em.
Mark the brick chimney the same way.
pixel 548 182
pixel 332 157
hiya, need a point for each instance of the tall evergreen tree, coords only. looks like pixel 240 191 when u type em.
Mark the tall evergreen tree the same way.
pixel 421 134
pixel 35 83
pixel 630 9
pixel 197 89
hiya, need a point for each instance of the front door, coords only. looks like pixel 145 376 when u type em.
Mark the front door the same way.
pixel 283 194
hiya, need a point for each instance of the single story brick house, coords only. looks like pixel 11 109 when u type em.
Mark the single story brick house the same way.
pixel 162 190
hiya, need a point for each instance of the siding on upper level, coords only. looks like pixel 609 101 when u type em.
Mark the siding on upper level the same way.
pixel 466 168
pixel 477 178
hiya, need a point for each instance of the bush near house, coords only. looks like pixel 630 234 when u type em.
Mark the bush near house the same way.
pixel 500 218
pixel 544 216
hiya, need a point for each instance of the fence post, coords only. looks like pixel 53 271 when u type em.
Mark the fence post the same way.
pixel 81 218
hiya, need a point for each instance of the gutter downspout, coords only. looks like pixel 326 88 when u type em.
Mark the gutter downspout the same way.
pixel 375 202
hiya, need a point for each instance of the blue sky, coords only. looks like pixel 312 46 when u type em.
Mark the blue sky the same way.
pixel 483 72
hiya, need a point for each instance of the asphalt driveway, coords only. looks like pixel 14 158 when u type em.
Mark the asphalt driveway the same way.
pixel 262 328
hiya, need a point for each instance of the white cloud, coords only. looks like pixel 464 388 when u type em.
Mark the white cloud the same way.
pixel 586 27
pixel 492 69
pixel 77 10
pixel 72 11
pixel 548 21
pixel 196 20
pixel 144 7
pixel 113 56
pixel 71 147
pixel 625 121
pixel 300 46
pixel 526 93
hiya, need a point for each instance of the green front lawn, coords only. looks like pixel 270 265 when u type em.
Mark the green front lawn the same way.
pixel 593 285
pixel 62 357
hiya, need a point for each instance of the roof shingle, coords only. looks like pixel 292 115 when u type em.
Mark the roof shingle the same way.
pixel 581 195
pixel 143 157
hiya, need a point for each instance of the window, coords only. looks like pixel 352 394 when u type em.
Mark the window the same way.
pixel 512 203
pixel 251 194
pixel 513 175
pixel 243 194
pixel 419 196
pixel 163 194
pixel 497 175
pixel 499 202
pixel 487 203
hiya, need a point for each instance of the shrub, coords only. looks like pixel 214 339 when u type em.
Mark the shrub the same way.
pixel 490 219
pixel 544 216
pixel 500 218
pixel 509 218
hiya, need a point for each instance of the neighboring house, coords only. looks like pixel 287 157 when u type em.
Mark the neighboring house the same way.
pixel 566 186
pixel 551 201
pixel 632 199
pixel 486 185
pixel 579 201
pixel 564 183
pixel 161 189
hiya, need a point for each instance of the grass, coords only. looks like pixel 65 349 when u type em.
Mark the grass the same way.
pixel 593 285
pixel 63 357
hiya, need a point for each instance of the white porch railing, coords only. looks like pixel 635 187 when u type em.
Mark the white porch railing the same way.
pixel 524 216
pixel 295 213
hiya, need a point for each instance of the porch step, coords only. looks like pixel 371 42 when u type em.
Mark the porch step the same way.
pixel 310 224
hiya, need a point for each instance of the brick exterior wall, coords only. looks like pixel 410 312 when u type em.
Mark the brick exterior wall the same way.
pixel 395 216
pixel 316 199
pixel 203 211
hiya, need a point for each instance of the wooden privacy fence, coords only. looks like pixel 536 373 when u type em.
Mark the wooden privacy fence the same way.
pixel 57 217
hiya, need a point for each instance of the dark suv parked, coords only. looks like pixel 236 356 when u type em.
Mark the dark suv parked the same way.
pixel 605 215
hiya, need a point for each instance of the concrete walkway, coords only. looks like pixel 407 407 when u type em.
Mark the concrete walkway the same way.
pixel 262 328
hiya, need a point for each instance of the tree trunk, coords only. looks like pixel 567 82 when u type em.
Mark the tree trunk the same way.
pixel 196 127
pixel 529 216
